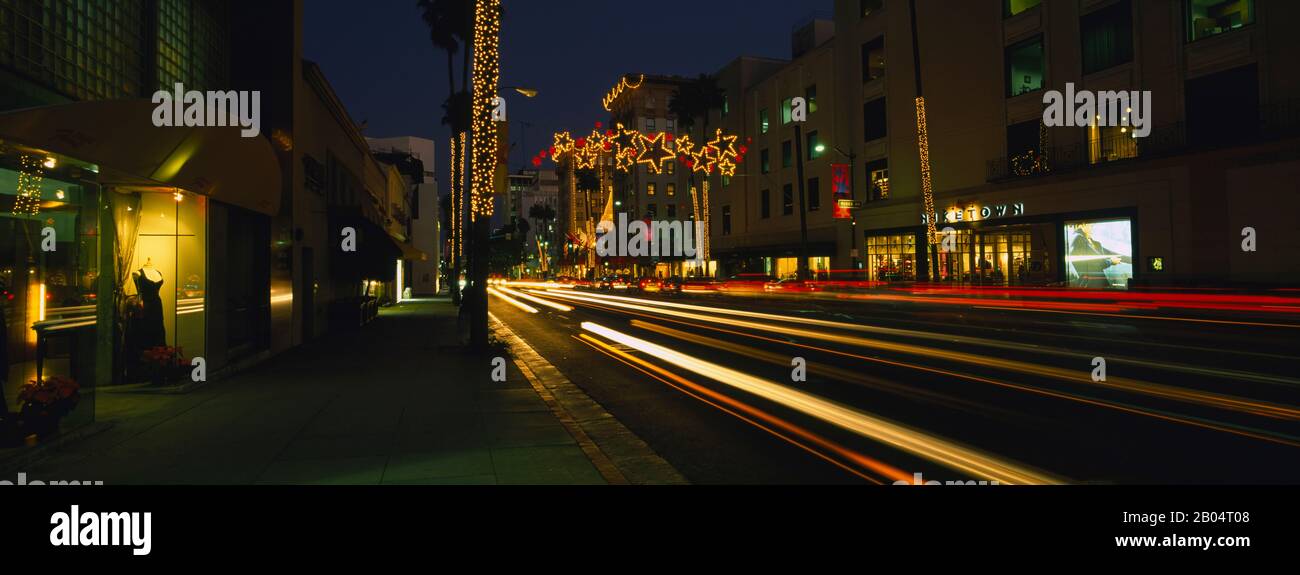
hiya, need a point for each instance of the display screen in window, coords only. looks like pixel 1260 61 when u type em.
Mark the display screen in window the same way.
pixel 1099 253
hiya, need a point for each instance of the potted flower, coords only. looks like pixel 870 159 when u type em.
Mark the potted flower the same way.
pixel 44 403
pixel 164 361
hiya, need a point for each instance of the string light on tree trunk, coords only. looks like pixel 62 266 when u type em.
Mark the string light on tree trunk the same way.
pixel 927 193
pixel 486 73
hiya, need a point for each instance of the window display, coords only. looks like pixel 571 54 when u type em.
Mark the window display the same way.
pixel 1099 253
pixel 49 249
pixel 162 237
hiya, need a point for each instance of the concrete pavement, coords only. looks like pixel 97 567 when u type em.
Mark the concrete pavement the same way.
pixel 397 402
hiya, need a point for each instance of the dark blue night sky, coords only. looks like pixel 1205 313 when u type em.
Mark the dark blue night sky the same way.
pixel 378 57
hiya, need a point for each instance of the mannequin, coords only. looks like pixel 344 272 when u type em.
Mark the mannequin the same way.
pixel 148 283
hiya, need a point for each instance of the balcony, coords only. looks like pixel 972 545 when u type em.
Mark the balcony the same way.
pixel 1275 121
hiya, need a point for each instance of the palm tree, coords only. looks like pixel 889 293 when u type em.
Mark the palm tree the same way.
pixel 695 100
pixel 450 27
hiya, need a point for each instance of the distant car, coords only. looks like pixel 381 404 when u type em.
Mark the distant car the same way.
pixel 671 285
pixel 746 283
pixel 648 284
pixel 791 285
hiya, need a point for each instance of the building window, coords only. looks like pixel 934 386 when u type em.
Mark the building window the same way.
pixel 652 210
pixel 765 204
pixel 1024 137
pixel 814 194
pixel 726 105
pixel 763 123
pixel 810 96
pixel 873 60
pixel 873 119
pixel 672 211
pixel 670 189
pixel 1107 36
pixel 1013 7
pixel 787 200
pixel 1107 143
pixel 670 125
pixel 1025 66
pixel 787 153
pixel 878 180
pixel 650 189
pixel 726 181
pixel 726 220
pixel 670 168
pixel 786 118
pixel 1207 18
pixel 869 7
pixel 765 162
pixel 891 258
pixel 815 149
pixel 1216 104
pixel 649 124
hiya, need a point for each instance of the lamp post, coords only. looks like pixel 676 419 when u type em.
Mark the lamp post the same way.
pixel 853 196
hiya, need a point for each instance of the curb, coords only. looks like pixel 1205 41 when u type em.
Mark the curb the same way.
pixel 597 432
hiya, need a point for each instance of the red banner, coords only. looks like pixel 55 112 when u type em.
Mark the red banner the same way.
pixel 841 190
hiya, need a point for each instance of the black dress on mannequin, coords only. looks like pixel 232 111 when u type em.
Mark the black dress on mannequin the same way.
pixel 151 333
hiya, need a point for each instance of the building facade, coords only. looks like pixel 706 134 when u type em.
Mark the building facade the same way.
pixel 1024 203
pixel 415 160
pixel 127 247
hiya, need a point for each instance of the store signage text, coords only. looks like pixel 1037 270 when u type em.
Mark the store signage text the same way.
pixel 977 213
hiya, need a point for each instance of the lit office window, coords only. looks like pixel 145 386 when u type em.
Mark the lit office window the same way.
pixel 1013 7
pixel 650 189
pixel 873 60
pixel 763 123
pixel 1207 18
pixel 1025 66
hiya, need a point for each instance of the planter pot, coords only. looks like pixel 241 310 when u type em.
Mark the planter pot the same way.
pixel 38 422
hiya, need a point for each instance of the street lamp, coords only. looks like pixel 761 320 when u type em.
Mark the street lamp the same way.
pixel 526 92
pixel 853 196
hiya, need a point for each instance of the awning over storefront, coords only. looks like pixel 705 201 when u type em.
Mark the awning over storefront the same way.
pixel 411 253
pixel 374 254
pixel 119 137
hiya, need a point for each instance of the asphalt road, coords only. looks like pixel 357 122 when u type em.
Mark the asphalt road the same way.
pixel 991 388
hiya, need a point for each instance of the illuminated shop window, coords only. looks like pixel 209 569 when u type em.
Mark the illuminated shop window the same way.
pixel 891 257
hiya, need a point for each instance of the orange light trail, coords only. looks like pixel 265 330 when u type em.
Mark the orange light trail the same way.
pixel 944 452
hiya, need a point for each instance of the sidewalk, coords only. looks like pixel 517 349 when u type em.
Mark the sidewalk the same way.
pixel 395 403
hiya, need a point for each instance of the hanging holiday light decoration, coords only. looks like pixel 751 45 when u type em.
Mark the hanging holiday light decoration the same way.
pixel 30 176
pixel 630 148
pixel 486 74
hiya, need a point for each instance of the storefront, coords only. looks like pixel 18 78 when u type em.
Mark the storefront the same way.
pixel 105 277
pixel 50 294
pixel 1004 245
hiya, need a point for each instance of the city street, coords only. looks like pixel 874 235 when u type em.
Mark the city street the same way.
pixel 955 387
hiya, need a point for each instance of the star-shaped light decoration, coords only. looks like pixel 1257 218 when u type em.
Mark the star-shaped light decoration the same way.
pixel 653 152
pixel 563 145
pixel 724 150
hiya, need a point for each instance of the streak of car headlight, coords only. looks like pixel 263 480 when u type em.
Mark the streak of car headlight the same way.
pixel 912 441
